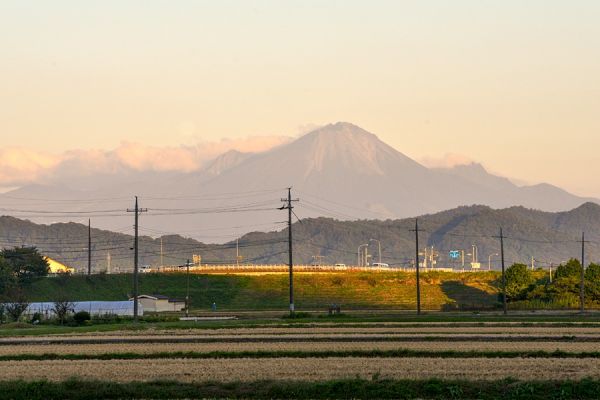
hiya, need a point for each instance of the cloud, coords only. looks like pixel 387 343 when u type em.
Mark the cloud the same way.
pixel 20 166
pixel 448 160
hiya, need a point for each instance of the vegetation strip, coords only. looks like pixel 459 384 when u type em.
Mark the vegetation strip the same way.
pixel 509 389
pixel 401 353
pixel 8 330
pixel 288 339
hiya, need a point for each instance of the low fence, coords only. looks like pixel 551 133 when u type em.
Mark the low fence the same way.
pixel 284 268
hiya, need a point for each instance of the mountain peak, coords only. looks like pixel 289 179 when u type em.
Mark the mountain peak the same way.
pixel 343 145
pixel 341 129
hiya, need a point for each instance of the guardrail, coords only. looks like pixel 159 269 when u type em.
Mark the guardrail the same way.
pixel 285 268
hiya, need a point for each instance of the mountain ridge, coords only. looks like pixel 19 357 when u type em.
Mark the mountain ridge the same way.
pixel 550 238
pixel 341 162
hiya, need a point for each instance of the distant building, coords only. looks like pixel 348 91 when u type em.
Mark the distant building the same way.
pixel 56 267
pixel 160 303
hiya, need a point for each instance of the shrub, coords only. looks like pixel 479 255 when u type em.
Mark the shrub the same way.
pixel 81 317
pixel 36 318
pixel 107 319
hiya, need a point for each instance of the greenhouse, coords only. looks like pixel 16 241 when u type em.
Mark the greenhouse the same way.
pixel 122 308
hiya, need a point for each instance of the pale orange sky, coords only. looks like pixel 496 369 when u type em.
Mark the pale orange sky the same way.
pixel 512 84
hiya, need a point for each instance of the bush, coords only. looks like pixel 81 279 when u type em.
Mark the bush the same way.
pixel 107 319
pixel 81 317
pixel 297 315
pixel 159 318
pixel 36 318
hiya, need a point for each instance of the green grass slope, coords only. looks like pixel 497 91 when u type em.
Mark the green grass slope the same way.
pixel 440 291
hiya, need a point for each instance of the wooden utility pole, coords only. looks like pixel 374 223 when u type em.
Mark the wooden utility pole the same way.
pixel 187 292
pixel 416 231
pixel 288 206
pixel 137 212
pixel 89 246
pixel 582 281
pixel 504 305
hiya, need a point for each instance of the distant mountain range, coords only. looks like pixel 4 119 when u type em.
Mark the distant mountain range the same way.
pixel 339 171
pixel 548 238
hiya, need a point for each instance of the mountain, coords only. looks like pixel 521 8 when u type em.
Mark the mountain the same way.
pixel 339 170
pixel 550 238
pixel 226 161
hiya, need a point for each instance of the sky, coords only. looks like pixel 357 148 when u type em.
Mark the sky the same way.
pixel 511 84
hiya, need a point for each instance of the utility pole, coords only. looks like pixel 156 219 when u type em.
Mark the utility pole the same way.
pixel 416 231
pixel 551 265
pixel 89 246
pixel 108 260
pixel 288 206
pixel 532 263
pixel 502 237
pixel 237 252
pixel 137 212
pixel 582 282
pixel 162 264
pixel 187 292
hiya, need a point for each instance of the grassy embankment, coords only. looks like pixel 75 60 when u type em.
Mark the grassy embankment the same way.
pixel 352 290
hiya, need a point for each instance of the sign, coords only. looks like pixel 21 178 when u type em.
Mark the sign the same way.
pixel 454 254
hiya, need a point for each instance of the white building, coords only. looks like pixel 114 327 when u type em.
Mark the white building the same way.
pixel 160 303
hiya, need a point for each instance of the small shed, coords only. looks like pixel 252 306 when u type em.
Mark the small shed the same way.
pixel 160 303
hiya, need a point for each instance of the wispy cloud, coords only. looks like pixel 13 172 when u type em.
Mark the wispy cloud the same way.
pixel 20 166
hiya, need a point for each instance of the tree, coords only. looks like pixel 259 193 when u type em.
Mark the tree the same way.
pixel 7 277
pixel 518 280
pixel 16 303
pixel 62 308
pixel 565 286
pixel 571 269
pixel 592 281
pixel 25 263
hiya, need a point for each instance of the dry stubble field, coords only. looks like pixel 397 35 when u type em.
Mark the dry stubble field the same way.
pixel 161 354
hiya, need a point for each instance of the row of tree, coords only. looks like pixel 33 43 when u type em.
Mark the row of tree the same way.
pixel 523 284
pixel 18 268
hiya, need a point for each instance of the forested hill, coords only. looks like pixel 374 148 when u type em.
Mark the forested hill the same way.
pixel 549 238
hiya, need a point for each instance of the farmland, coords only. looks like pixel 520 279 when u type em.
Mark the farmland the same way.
pixel 308 359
